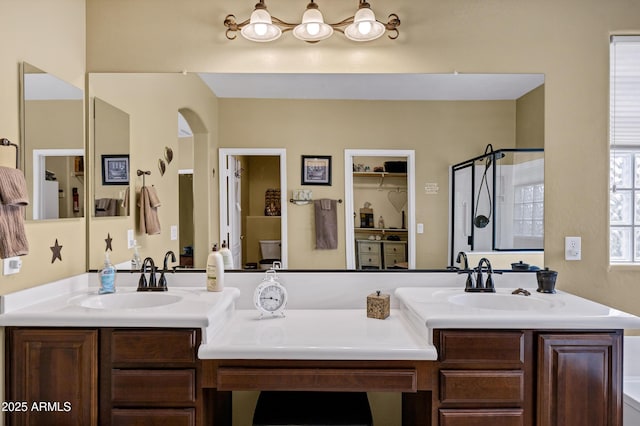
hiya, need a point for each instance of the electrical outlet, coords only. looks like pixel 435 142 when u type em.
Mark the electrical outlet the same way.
pixel 174 232
pixel 572 248
pixel 420 228
pixel 11 265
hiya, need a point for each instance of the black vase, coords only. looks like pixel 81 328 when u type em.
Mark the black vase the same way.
pixel 546 280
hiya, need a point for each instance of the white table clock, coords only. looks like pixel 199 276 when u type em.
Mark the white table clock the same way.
pixel 270 297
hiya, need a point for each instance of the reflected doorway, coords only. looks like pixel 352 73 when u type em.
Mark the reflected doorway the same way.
pixel 253 209
pixel 380 208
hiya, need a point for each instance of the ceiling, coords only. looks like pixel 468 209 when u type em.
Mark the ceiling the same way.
pixel 436 87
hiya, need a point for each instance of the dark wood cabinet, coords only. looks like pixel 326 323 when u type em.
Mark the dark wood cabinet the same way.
pixel 53 375
pixel 485 378
pixel 580 379
pixel 104 376
pixel 150 377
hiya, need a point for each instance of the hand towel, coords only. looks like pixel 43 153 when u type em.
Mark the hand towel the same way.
pixel 326 218
pixel 13 187
pixel 149 222
pixel 125 201
pixel 13 199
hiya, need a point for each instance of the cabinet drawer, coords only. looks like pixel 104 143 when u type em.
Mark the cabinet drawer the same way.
pixel 490 417
pixel 482 387
pixel 481 347
pixel 369 248
pixel 392 260
pixel 156 417
pixel 391 249
pixel 173 387
pixel 369 260
pixel 153 346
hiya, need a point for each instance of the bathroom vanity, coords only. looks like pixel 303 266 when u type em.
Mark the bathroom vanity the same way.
pixel 549 360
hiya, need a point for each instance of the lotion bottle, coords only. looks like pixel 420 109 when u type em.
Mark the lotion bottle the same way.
pixel 107 276
pixel 227 257
pixel 136 262
pixel 215 270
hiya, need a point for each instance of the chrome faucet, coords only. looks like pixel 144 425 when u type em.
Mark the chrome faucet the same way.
pixel 142 283
pixel 162 284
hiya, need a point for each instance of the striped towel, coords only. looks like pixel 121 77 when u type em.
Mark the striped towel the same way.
pixel 13 199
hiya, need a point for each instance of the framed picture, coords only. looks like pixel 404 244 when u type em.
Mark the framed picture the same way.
pixel 115 169
pixel 316 170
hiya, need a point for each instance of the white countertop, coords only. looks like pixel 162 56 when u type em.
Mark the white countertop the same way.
pixel 59 304
pixel 327 334
pixel 431 308
pixel 326 316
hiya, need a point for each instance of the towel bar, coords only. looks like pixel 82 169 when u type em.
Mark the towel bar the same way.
pixel 7 142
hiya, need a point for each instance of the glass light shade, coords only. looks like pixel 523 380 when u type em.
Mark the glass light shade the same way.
pixel 260 27
pixel 364 27
pixel 313 27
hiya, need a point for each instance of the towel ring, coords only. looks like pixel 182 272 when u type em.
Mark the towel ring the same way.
pixel 7 142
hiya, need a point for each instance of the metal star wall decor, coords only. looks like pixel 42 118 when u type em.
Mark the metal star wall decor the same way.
pixel 56 249
pixel 108 241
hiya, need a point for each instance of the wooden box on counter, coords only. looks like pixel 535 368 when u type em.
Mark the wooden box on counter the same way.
pixel 378 305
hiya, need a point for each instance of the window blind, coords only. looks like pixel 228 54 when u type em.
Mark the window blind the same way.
pixel 625 91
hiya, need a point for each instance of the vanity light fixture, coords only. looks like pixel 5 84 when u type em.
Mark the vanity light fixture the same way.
pixel 262 27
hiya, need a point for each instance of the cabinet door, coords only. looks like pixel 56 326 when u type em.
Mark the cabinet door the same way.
pixel 579 379
pixel 56 369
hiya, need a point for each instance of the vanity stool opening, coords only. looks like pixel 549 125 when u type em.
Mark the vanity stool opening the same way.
pixel 312 408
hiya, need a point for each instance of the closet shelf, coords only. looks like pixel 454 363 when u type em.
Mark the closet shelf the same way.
pixel 381 230
pixel 303 202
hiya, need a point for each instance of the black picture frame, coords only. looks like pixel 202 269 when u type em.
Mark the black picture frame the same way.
pixel 115 169
pixel 316 170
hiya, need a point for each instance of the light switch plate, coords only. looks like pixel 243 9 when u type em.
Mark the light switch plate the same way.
pixel 174 232
pixel 130 238
pixel 420 228
pixel 11 265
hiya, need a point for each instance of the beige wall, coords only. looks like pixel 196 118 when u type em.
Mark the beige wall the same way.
pixel 50 35
pixel 441 133
pixel 530 119
pixel 152 102
pixel 568 41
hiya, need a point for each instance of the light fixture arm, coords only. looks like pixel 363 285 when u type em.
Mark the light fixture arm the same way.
pixel 233 26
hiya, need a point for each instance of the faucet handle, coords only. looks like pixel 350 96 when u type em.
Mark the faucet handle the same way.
pixel 469 283
pixel 142 282
pixel 152 276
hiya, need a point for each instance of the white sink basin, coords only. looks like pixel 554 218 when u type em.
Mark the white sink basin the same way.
pixel 501 302
pixel 126 300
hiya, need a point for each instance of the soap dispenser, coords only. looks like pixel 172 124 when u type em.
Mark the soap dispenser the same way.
pixel 107 276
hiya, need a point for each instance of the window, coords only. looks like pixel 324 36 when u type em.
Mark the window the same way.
pixel 624 163
pixel 529 211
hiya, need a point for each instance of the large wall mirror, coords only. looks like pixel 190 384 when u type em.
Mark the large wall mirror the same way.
pixel 443 119
pixel 112 172
pixel 53 139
